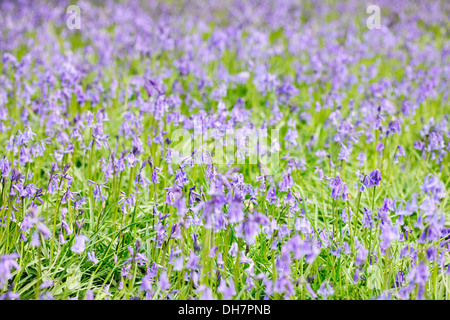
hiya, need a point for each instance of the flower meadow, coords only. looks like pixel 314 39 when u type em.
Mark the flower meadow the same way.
pixel 224 150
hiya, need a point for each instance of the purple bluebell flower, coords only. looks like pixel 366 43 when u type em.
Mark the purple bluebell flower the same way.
pixel 367 219
pixel 163 281
pixel 325 290
pixel 79 245
pixel 7 262
pixel 91 257
pixel 227 291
